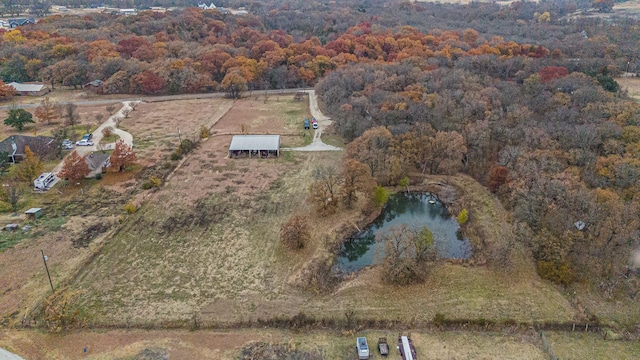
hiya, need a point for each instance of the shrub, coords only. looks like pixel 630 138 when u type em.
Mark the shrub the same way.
pixel 155 181
pixel 99 176
pixel 560 273
pixel 380 196
pixel 108 131
pixel 204 132
pixel 463 217
pixel 175 156
pixel 130 208
pixel 186 146
pixel 146 185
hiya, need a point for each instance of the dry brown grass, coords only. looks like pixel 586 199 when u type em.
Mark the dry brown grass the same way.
pixel 631 84
pixel 182 344
pixel 591 346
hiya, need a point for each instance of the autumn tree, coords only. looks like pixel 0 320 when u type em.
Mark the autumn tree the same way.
pixel 324 191
pixel 17 118
pixel 122 156
pixel 295 232
pixel 234 84
pixel 71 114
pixel 47 111
pixel 497 177
pixel 6 92
pixel 30 168
pixel 356 179
pixel 74 167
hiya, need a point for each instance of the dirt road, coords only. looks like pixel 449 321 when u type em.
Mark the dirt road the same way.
pixel 323 122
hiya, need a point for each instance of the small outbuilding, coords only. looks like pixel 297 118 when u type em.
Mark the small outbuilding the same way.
pixel 34 213
pixel 254 145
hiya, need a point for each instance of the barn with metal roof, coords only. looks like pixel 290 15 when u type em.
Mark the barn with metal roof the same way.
pixel 254 145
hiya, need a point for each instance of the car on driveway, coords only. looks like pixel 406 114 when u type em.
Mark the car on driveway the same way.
pixel 87 136
pixel 67 144
pixel 84 142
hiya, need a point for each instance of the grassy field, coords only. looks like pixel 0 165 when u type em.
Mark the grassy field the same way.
pixel 206 245
pixel 591 346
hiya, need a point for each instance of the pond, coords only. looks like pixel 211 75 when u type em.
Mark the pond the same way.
pixel 416 210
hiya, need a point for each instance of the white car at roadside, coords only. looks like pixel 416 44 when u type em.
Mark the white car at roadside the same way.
pixel 84 142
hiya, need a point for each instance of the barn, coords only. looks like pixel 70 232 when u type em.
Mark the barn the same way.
pixel 254 145
pixel 34 89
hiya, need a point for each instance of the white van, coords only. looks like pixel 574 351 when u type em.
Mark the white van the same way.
pixel 43 181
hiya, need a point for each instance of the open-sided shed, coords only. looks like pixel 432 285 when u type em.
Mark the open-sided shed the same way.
pixel 254 145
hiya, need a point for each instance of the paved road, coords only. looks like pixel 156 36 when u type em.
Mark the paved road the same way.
pixel 323 122
pixel 112 122
pixel 5 355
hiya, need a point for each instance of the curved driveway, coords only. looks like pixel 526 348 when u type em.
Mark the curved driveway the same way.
pixel 323 122
pixel 112 122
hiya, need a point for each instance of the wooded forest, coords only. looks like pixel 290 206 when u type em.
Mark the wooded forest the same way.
pixel 520 97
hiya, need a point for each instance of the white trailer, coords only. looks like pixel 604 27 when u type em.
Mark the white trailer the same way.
pixel 43 181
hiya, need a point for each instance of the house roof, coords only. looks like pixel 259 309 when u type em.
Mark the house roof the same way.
pixel 27 87
pixel 255 142
pixel 21 21
pixel 96 160
pixel 95 83
pixel 40 145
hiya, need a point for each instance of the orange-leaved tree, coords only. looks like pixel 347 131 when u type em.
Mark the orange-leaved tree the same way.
pixel 6 91
pixel 122 156
pixel 47 111
pixel 74 167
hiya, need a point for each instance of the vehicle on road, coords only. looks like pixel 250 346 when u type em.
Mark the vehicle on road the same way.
pixel 314 123
pixel 306 124
pixel 84 142
pixel 363 348
pixel 67 144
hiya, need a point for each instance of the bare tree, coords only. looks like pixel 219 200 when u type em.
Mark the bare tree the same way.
pixel 323 192
pixel 71 114
pixel 12 196
pixel 406 254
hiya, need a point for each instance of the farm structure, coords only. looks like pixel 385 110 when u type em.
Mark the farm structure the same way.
pixel 35 89
pixel 254 145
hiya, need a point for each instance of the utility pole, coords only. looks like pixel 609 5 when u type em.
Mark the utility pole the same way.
pixel 44 258
pixel 179 137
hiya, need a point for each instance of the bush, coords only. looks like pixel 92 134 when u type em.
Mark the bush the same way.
pixel 108 131
pixel 380 196
pixel 99 176
pixel 463 217
pixel 560 273
pixel 175 156
pixel 204 132
pixel 146 185
pixel 186 146
pixel 155 181
pixel 130 208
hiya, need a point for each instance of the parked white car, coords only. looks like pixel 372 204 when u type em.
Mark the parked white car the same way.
pixel 84 142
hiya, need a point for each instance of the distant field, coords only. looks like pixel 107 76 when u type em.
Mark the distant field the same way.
pixel 631 84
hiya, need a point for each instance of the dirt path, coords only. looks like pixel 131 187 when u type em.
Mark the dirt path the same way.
pixel 323 122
